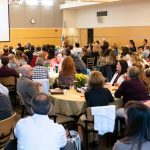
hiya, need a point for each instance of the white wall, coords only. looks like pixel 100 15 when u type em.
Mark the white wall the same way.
pixel 4 27
pixel 119 14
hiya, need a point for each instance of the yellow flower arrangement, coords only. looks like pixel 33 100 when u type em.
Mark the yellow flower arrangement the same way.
pixel 81 79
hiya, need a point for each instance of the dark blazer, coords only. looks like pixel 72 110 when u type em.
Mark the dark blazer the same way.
pixel 98 97
pixel 133 49
pixel 5 71
pixel 28 89
pixel 5 107
pixel 133 89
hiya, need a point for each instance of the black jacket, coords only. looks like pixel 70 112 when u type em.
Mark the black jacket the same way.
pixel 98 97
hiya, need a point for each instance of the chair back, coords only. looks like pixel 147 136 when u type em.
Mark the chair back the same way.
pixel 22 104
pixel 6 128
pixel 90 62
pixel 9 82
pixel 20 99
pixel 45 85
pixel 104 118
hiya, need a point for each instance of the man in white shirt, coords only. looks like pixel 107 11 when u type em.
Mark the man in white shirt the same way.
pixel 4 90
pixel 146 52
pixel 77 49
pixel 38 132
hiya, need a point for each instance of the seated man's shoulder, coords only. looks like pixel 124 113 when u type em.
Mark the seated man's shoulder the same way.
pixel 25 80
pixel 3 96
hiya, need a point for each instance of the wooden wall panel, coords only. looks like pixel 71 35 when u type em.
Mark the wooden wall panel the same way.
pixel 121 35
pixel 83 37
pixel 36 36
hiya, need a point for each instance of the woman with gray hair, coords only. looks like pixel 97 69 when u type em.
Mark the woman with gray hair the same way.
pixel 39 71
pixel 133 88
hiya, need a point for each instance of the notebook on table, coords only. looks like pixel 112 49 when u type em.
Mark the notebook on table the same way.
pixel 56 91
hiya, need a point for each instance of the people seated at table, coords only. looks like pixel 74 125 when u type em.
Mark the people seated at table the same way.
pixel 39 71
pixel 5 51
pixel 96 94
pixel 104 47
pixel 29 53
pixel 67 73
pixel 57 61
pixel 132 47
pixel 44 53
pixel 118 77
pixel 21 58
pixel 145 42
pixel 133 88
pixel 135 59
pixel 20 47
pixel 11 50
pixel 146 52
pixel 126 55
pixel 4 90
pixel 26 87
pixel 142 75
pixel 5 109
pixel 12 62
pixel 5 71
pixel 147 80
pixel 114 48
pixel 77 49
pixel 95 53
pixel 102 60
pixel 137 135
pixel 79 64
pixel 38 132
pixel 85 55
pixel 110 67
pixel 67 52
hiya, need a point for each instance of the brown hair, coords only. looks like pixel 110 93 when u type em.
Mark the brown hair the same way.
pixel 135 58
pixel 142 75
pixel 96 80
pixel 68 67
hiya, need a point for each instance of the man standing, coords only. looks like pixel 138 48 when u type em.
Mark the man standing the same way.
pixel 38 132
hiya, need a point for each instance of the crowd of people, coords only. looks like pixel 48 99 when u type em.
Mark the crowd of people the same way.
pixel 126 68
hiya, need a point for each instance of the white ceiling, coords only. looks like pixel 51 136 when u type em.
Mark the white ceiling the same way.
pixel 83 3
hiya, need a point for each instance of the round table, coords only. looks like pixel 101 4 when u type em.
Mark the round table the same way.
pixel 71 103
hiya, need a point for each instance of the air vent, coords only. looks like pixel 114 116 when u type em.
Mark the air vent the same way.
pixel 101 13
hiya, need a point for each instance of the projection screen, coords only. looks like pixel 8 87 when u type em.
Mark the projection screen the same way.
pixel 4 20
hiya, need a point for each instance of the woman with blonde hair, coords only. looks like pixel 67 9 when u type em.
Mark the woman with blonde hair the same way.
pixel 135 59
pixel 67 73
pixel 96 94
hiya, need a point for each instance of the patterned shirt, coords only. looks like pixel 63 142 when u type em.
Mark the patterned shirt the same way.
pixel 40 72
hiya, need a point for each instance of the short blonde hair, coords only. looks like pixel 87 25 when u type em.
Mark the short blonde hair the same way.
pixel 96 80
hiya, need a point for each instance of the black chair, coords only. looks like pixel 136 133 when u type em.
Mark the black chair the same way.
pixel 89 129
pixel 10 83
